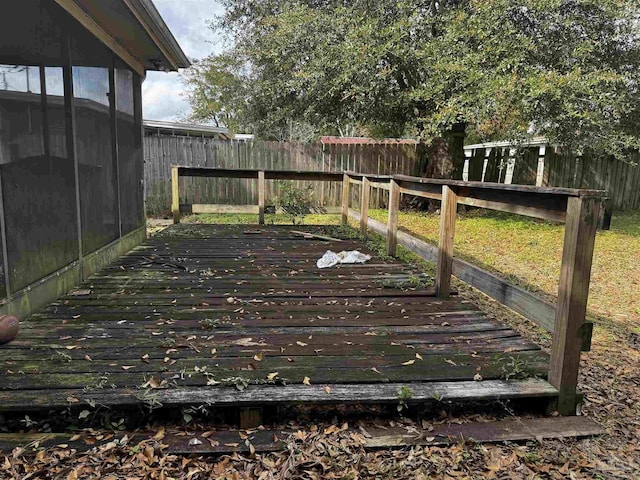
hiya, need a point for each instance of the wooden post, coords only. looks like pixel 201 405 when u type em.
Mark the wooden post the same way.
pixel 175 194
pixel 364 205
pixel 261 187
pixel 444 267
pixel 345 198
pixel 573 290
pixel 392 222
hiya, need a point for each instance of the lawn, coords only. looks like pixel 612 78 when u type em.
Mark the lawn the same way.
pixel 529 253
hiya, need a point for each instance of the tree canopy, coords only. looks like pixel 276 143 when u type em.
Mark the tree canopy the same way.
pixel 508 69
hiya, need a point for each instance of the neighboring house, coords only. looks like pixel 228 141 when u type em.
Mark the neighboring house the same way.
pixel 71 163
pixel 180 129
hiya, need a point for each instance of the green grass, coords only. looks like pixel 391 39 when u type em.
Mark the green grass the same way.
pixel 529 252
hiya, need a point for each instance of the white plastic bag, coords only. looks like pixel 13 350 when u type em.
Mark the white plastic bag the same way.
pixel 329 259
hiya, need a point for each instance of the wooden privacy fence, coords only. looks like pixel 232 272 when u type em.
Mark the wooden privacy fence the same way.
pixel 578 209
pixel 163 151
pixel 544 166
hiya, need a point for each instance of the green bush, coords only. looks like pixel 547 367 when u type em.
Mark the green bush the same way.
pixel 295 202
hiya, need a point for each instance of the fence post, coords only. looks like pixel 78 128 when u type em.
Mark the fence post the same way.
pixel 175 194
pixel 573 290
pixel 364 205
pixel 346 184
pixel 444 266
pixel 261 192
pixel 392 222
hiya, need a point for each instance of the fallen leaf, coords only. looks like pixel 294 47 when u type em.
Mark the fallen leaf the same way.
pixel 302 344
pixel 331 429
pixel 419 357
pixel 273 375
pixel 258 357
pixel 145 358
pixel 127 367
pixel 409 362
pixel 306 381
pixel 327 389
pixel 451 362
pixel 376 370
pixel 88 358
pixel 159 434
pixel 477 377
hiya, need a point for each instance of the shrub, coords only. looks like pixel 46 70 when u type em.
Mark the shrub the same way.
pixel 295 202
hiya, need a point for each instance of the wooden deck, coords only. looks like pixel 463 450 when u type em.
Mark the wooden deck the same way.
pixel 201 310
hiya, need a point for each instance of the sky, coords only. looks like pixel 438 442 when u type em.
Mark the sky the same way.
pixel 162 93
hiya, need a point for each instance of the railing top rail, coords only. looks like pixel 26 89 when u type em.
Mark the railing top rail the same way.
pixel 568 192
pixel 273 174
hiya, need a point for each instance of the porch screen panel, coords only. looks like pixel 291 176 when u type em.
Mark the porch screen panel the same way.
pixel 130 165
pixel 3 287
pixel 98 193
pixel 38 187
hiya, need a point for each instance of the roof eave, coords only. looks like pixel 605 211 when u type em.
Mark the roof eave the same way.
pixel 152 21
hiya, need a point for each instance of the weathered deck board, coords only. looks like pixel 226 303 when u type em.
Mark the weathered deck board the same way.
pixel 200 305
pixel 229 441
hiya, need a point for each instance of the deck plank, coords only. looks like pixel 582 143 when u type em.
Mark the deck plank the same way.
pixel 199 303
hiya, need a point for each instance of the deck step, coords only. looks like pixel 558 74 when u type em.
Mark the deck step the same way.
pixel 266 440
pixel 257 395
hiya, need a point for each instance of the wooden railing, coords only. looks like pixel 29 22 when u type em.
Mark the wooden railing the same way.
pixel 578 209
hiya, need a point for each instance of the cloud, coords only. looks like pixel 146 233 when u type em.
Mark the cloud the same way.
pixel 163 93
pixel 163 97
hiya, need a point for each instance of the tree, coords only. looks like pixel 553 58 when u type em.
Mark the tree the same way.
pixel 507 69
pixel 219 89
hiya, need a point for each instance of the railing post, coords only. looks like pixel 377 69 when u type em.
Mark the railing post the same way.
pixel 573 290
pixel 444 267
pixel 392 222
pixel 364 205
pixel 175 194
pixel 346 184
pixel 261 194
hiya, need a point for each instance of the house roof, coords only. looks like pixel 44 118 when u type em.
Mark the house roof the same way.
pixel 187 129
pixel 132 29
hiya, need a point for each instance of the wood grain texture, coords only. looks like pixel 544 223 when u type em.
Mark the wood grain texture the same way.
pixel 346 185
pixel 573 291
pixel 269 440
pixel 392 221
pixel 200 305
pixel 365 196
pixel 175 194
pixel 444 265
pixel 261 196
